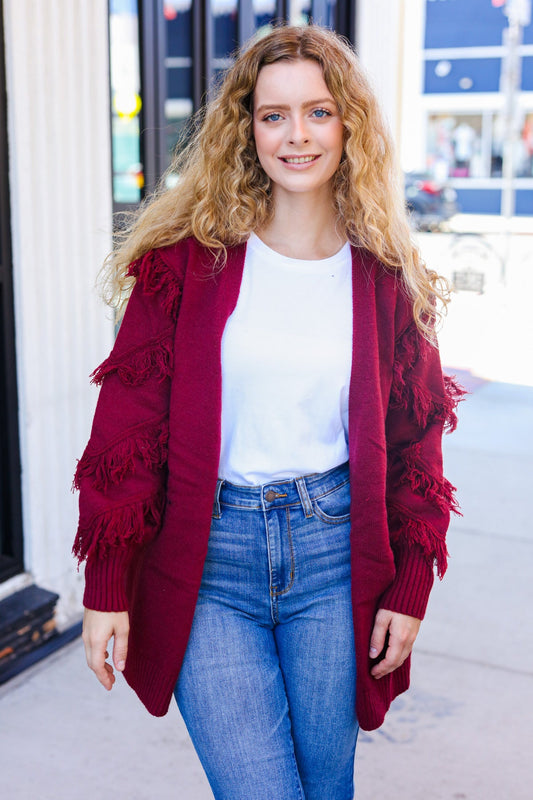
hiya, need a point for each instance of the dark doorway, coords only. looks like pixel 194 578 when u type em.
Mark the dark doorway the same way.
pixel 11 549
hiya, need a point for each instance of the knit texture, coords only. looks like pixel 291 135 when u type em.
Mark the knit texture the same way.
pixel 148 475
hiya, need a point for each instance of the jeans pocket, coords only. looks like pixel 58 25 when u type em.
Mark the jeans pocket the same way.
pixel 334 506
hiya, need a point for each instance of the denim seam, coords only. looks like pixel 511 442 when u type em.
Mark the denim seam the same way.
pixel 291 550
pixel 259 507
pixel 297 776
pixel 330 491
pixel 331 520
pixel 241 508
pixel 273 611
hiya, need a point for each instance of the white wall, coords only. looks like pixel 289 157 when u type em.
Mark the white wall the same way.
pixel 378 33
pixel 412 123
pixel 389 42
pixel 59 141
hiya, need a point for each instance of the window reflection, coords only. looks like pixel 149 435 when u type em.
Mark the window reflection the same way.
pixel 300 12
pixel 225 30
pixel 456 146
pixel 322 12
pixel 128 177
pixel 525 150
pixel 328 14
pixel 472 145
pixel 264 14
pixel 178 69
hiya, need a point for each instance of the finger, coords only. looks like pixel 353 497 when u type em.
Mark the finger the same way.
pixel 394 657
pixel 96 654
pixel 379 634
pixel 120 649
pixel 104 673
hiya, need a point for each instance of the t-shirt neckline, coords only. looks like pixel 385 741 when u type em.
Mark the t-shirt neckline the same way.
pixel 260 247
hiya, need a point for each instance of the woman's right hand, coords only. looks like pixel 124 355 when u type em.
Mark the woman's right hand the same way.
pixel 98 628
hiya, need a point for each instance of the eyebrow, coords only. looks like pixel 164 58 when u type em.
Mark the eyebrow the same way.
pixel 281 107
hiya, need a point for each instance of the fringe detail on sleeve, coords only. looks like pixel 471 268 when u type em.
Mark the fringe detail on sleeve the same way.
pixel 438 491
pixel 135 523
pixel 454 394
pixel 411 531
pixel 137 365
pixel 148 442
pixel 406 393
pixel 154 276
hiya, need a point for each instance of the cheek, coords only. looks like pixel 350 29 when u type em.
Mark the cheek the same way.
pixel 337 139
pixel 259 144
pixel 265 141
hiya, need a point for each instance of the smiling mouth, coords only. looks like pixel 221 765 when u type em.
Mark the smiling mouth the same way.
pixel 299 159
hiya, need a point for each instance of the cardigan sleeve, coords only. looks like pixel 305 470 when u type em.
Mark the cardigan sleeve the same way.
pixel 121 476
pixel 419 498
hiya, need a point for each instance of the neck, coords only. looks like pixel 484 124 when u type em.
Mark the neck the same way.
pixel 303 226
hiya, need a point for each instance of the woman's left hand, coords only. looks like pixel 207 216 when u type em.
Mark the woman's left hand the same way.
pixel 402 631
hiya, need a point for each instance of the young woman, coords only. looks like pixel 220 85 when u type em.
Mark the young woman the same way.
pixel 262 501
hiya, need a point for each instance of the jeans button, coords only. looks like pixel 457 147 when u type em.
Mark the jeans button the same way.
pixel 270 495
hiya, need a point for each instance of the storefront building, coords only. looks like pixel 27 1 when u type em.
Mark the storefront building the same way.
pixel 454 121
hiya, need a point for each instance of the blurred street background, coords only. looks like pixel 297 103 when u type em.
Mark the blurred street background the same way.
pixel 94 98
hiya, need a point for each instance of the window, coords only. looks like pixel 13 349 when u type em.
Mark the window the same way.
pixel 524 154
pixel 471 145
pixel 126 104
pixel 179 103
pixel 166 55
pixel 455 145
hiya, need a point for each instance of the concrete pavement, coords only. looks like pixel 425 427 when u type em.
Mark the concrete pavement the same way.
pixel 464 730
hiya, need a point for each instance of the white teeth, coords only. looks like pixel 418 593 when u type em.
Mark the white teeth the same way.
pixel 299 159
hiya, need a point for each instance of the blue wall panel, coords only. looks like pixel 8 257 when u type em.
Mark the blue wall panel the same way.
pixel 479 201
pixel 488 201
pixel 483 72
pixel 527 74
pixel 463 23
pixel 524 202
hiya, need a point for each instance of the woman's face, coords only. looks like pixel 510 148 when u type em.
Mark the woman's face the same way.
pixel 297 127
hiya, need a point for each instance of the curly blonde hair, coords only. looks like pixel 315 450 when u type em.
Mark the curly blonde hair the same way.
pixel 223 194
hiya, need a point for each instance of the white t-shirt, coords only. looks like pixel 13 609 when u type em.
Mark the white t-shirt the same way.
pixel 286 365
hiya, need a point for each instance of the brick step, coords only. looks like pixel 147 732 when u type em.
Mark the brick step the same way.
pixel 26 622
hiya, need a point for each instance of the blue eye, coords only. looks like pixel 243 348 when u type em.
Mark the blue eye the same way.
pixel 274 117
pixel 321 112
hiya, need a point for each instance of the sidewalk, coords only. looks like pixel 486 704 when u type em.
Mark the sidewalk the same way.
pixel 465 728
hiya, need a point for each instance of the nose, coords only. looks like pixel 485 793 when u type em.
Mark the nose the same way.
pixel 298 133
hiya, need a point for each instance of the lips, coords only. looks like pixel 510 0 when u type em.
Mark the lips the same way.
pixel 298 159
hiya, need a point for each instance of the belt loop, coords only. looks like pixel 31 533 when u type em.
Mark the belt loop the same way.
pixel 304 496
pixel 216 504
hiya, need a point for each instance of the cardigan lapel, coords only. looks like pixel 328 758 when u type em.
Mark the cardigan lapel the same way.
pixel 373 317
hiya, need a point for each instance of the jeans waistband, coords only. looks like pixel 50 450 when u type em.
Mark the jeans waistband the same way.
pixel 277 494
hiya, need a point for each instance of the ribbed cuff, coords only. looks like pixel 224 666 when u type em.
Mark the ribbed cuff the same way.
pixel 409 593
pixel 105 581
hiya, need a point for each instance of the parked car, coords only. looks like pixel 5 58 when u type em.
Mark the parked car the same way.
pixel 430 203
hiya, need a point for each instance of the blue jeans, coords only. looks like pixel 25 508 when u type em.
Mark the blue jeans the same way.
pixel 267 686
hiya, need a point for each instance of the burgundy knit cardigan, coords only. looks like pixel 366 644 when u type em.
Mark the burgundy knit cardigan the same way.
pixel 148 475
